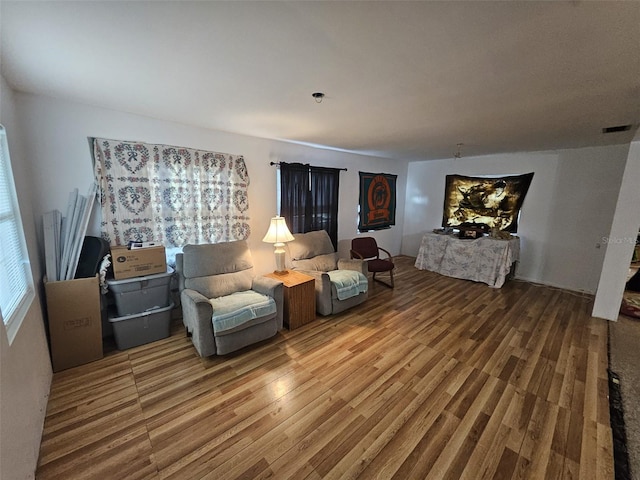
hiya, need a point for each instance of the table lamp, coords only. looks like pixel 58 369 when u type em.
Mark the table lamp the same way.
pixel 277 234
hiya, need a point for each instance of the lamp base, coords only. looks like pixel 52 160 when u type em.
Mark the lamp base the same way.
pixel 279 253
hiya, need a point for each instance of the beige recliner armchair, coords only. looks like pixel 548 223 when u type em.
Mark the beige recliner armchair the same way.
pixel 224 306
pixel 340 283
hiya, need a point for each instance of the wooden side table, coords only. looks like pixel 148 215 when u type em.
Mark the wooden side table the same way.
pixel 299 297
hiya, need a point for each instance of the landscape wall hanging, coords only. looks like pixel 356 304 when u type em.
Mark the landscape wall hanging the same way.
pixel 377 201
pixel 494 202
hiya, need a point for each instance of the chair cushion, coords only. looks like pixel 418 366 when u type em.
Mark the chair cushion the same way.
pixel 348 283
pixel 309 245
pixel 320 263
pixel 216 258
pixel 365 246
pixel 239 310
pixel 217 269
pixel 215 286
pixel 379 265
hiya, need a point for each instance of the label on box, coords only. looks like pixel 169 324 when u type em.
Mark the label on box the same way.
pixel 137 262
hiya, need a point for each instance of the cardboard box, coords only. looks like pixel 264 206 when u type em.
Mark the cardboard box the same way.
pixel 75 322
pixel 137 262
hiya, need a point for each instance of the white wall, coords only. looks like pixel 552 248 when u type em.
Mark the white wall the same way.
pixel 566 214
pixel 621 240
pixel 58 151
pixel 25 367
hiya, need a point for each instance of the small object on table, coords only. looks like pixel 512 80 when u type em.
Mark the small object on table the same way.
pixel 500 234
pixel 471 232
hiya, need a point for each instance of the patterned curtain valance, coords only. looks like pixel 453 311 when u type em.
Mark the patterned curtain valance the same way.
pixel 172 195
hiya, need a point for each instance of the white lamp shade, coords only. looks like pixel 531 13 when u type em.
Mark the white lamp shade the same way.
pixel 278 231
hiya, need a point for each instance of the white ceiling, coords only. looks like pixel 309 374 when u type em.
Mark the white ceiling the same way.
pixel 403 80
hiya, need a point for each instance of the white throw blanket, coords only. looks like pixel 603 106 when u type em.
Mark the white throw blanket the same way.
pixel 348 283
pixel 238 308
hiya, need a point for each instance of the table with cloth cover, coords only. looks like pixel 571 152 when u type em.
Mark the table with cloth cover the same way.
pixel 485 259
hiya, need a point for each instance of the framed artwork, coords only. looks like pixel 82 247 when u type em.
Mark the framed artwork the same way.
pixel 494 202
pixel 377 201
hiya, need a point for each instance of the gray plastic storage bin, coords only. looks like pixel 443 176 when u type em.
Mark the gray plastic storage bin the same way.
pixel 146 327
pixel 139 294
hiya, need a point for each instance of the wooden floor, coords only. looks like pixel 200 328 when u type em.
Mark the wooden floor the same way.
pixel 438 378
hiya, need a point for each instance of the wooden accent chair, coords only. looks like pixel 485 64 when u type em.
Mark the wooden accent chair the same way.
pixel 366 248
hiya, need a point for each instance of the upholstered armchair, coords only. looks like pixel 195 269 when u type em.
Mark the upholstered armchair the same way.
pixel 340 283
pixel 224 306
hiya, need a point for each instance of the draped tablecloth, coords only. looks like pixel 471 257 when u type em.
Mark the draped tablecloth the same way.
pixel 487 260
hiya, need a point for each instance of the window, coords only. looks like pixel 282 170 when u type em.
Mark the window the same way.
pixel 16 283
pixel 309 198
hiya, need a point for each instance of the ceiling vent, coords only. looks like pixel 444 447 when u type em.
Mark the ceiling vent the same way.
pixel 619 128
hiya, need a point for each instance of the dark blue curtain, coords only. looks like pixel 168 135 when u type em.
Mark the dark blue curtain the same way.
pixel 309 198
pixel 295 187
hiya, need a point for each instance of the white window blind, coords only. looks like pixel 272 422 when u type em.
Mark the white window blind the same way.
pixel 16 284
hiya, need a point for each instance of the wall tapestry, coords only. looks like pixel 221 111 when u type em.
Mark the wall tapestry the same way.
pixel 172 195
pixel 494 202
pixel 377 201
